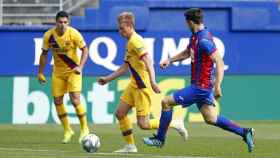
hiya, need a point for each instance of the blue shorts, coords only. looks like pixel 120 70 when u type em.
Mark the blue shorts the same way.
pixel 192 94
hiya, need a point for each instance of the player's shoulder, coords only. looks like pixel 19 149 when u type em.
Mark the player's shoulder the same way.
pixel 205 37
pixel 49 32
pixel 73 30
pixel 136 39
pixel 205 33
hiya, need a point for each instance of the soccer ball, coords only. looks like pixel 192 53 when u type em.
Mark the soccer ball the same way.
pixel 91 143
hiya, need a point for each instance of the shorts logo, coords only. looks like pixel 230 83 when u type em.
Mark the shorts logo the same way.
pixel 181 98
pixel 140 110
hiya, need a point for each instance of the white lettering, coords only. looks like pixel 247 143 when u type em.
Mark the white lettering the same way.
pixel 37 101
pixel 94 53
pixel 99 97
pixel 221 48
pixel 169 48
pixel 38 51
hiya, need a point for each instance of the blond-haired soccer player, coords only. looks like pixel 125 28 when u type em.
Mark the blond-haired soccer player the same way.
pixel 142 83
pixel 64 40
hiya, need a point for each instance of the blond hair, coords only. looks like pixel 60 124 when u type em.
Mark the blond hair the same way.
pixel 126 17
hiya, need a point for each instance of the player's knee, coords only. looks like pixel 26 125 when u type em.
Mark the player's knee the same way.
pixel 75 101
pixel 119 115
pixel 210 120
pixel 165 104
pixel 58 101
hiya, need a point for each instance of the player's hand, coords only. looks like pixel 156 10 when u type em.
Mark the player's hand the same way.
pixel 155 88
pixel 102 80
pixel 77 70
pixel 41 78
pixel 165 64
pixel 218 92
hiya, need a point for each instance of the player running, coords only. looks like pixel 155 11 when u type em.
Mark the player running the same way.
pixel 204 55
pixel 142 84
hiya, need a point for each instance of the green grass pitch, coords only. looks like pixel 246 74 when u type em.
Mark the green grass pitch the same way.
pixel 43 141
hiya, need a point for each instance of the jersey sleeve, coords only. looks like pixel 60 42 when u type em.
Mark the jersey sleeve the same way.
pixel 46 44
pixel 79 40
pixel 208 46
pixel 139 47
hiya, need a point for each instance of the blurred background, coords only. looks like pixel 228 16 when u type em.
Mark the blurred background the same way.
pixel 247 34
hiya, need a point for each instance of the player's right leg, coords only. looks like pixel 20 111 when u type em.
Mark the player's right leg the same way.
pixel 58 90
pixel 74 87
pixel 62 115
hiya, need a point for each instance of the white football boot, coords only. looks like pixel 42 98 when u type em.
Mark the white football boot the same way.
pixel 179 126
pixel 129 148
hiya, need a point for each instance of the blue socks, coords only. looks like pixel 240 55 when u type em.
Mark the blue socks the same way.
pixel 228 125
pixel 165 119
pixel 222 122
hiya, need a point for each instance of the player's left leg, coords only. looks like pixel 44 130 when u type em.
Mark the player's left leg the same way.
pixel 211 117
pixel 81 113
pixel 184 97
pixel 125 126
pixel 74 87
pixel 143 105
pixel 165 119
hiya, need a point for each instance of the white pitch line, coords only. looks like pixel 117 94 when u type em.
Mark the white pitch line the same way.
pixel 99 153
pixel 29 150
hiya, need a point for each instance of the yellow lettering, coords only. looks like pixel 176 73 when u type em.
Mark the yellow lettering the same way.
pixel 166 86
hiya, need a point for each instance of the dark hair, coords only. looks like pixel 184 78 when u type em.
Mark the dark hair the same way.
pixel 195 15
pixel 61 14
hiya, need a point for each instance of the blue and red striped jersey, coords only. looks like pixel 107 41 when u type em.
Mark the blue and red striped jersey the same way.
pixel 201 46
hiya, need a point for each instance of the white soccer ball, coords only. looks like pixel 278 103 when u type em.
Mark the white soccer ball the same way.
pixel 91 143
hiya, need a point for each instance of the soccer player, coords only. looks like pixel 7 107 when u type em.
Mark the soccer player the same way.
pixel 142 84
pixel 204 55
pixel 64 40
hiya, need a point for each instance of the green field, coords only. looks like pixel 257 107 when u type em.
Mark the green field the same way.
pixel 42 141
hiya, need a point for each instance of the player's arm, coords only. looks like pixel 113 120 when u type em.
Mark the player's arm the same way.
pixel 209 47
pixel 42 65
pixel 43 58
pixel 179 57
pixel 83 60
pixel 81 44
pixel 216 58
pixel 120 71
pixel 150 68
